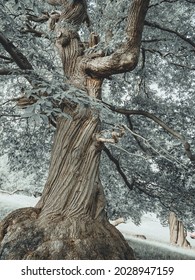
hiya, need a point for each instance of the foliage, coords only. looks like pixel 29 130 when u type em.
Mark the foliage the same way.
pixel 154 161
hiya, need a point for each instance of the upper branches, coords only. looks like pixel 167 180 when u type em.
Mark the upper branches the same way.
pixel 126 57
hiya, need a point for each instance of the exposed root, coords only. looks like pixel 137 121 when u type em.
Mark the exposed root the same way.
pixel 23 237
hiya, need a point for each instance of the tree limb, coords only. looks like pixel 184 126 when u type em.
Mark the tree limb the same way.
pixel 125 58
pixel 40 19
pixel 15 53
pixel 21 61
pixel 134 135
pixel 158 26
pixel 117 164
pixel 173 132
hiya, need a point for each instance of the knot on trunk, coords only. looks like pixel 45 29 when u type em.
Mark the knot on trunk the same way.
pixel 65 36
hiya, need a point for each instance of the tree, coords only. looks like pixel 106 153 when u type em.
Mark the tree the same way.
pixel 177 232
pixel 69 221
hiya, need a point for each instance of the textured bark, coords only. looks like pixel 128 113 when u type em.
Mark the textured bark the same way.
pixel 177 232
pixel 69 221
pixel 73 188
pixel 125 58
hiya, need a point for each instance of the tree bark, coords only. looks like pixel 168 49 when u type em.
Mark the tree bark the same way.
pixel 69 221
pixel 177 232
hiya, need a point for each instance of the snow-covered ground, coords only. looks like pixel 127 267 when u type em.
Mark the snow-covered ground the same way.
pixel 151 229
pixel 156 245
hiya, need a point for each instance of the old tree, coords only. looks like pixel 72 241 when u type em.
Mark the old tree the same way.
pixel 70 221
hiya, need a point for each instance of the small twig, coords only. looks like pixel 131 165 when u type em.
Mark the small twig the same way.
pixel 11 193
pixel 6 58
pixel 35 32
pixel 181 36
pixel 41 19
pixel 163 1
pixel 10 116
pixel 183 66
pixel 135 137
pixel 7 71
pixel 158 152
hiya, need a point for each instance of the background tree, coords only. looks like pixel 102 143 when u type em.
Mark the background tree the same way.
pixel 74 104
pixel 177 232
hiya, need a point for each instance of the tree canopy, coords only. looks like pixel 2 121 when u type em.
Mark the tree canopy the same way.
pixel 150 166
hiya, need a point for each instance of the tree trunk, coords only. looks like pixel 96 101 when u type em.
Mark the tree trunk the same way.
pixel 177 232
pixel 69 221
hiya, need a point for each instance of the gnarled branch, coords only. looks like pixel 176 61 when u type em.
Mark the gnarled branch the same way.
pixel 125 58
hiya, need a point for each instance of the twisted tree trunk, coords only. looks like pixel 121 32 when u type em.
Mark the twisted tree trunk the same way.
pixel 69 221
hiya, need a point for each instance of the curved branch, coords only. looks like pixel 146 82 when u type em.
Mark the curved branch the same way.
pixel 126 57
pixel 116 162
pixel 173 132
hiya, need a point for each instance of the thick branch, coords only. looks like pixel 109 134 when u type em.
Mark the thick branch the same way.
pixel 158 121
pixel 126 57
pixel 15 53
pixel 21 61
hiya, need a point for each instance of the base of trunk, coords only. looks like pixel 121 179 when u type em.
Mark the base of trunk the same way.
pixel 22 236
